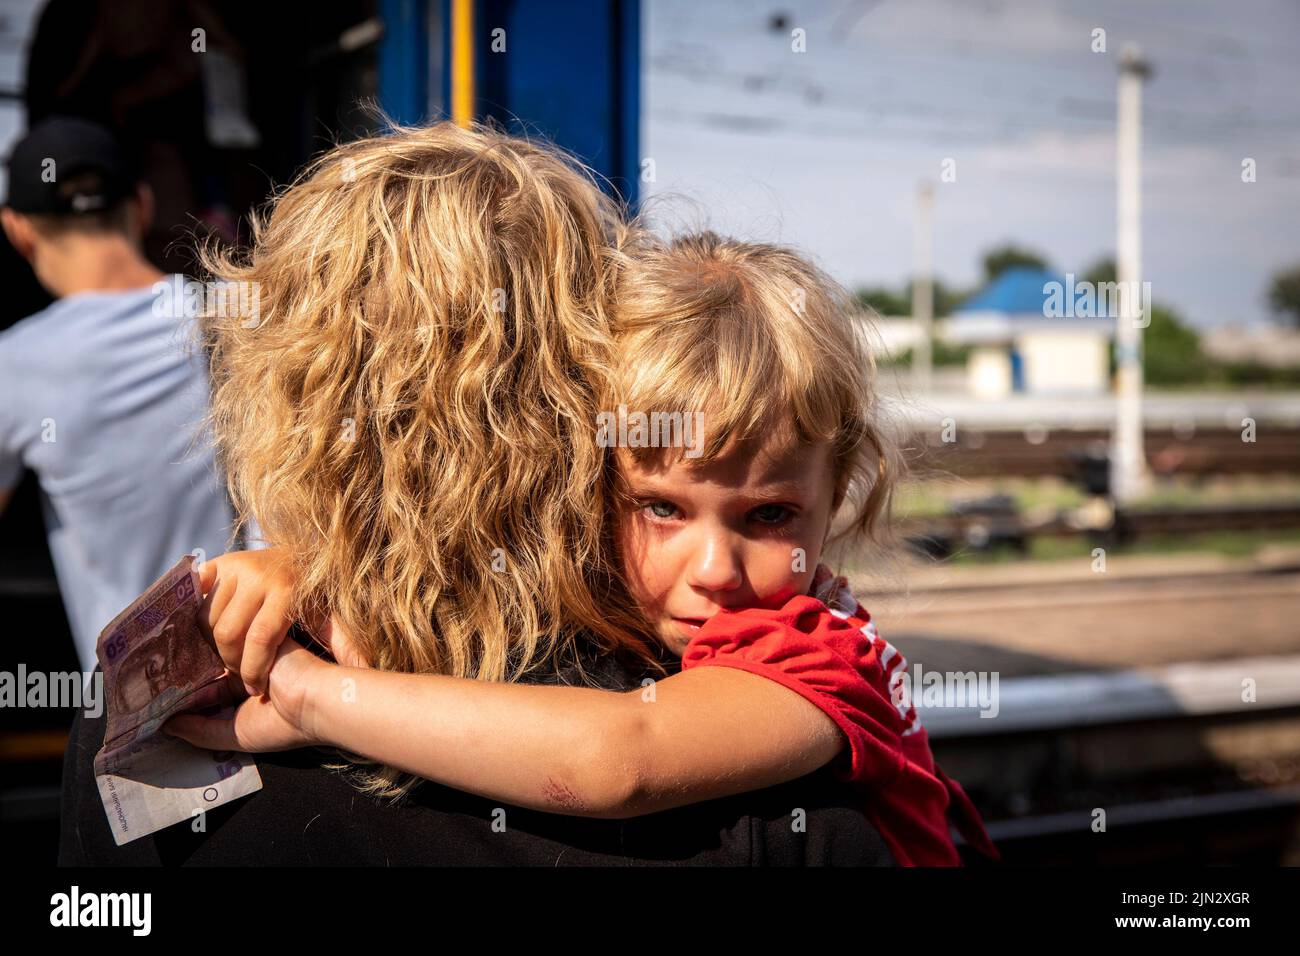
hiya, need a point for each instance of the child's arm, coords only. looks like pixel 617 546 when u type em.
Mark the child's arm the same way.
pixel 704 733
pixel 701 734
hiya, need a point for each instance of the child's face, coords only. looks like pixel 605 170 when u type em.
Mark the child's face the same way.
pixel 745 530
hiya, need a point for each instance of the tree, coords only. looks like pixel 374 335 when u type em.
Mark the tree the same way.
pixel 1284 294
pixel 1171 351
pixel 888 302
pixel 883 300
pixel 999 260
pixel 1102 271
pixel 941 354
pixel 946 298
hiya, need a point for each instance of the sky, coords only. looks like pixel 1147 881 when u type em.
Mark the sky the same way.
pixel 825 149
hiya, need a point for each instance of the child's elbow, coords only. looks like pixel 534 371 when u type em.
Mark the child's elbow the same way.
pixel 612 775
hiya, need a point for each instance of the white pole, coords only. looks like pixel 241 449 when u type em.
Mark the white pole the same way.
pixel 1128 472
pixel 923 289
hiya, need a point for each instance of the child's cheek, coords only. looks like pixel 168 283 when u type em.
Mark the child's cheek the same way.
pixel 786 572
pixel 642 567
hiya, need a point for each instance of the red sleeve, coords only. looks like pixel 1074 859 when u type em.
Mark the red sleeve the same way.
pixel 827 659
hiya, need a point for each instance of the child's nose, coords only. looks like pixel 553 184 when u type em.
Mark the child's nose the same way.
pixel 717 566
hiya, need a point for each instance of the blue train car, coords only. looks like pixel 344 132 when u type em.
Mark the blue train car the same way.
pixel 568 70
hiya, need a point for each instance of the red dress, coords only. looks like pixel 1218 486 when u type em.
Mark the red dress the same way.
pixel 827 649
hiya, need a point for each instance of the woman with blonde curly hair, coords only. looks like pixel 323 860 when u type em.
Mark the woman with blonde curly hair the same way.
pixel 408 416
pixel 720 540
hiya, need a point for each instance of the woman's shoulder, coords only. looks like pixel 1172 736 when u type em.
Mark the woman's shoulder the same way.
pixel 586 663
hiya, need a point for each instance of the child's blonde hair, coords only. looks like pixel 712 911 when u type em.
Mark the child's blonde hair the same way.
pixel 755 337
pixel 409 414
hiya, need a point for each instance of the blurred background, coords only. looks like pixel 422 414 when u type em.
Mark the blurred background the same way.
pixel 1104 515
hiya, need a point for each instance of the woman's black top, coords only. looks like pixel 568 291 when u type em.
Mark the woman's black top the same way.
pixel 307 815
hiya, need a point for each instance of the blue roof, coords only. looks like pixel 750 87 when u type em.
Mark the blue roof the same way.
pixel 1017 291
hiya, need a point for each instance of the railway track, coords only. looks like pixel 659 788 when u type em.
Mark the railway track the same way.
pixel 981 529
pixel 1159 765
pixel 1250 827
pixel 1039 452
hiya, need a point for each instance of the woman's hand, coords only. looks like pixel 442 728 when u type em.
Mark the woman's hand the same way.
pixel 282 720
pixel 249 597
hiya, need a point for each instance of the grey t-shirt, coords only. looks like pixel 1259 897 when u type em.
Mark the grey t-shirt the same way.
pixel 103 395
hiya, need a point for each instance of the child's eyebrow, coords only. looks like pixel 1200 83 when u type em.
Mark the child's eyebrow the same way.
pixel 787 488
pixel 643 487
pixel 777 483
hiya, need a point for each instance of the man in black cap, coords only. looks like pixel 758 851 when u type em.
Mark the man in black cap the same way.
pixel 75 209
pixel 101 394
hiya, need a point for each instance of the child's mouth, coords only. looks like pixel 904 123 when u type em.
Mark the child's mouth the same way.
pixel 690 626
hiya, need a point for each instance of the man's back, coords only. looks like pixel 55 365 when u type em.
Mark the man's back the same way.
pixel 104 400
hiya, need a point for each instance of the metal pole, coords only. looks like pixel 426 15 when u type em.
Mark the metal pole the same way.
pixel 462 62
pixel 923 290
pixel 1128 461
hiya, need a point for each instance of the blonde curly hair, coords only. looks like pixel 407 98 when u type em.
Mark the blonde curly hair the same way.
pixel 410 414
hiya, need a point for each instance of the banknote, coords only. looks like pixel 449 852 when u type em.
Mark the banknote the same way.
pixel 158 663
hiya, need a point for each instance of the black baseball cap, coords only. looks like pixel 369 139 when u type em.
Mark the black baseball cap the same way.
pixel 76 146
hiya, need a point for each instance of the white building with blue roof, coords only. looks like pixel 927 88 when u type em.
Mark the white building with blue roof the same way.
pixel 1035 332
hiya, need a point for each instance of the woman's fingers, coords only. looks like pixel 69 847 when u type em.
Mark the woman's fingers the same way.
pixel 264 636
pixel 258 726
pixel 210 733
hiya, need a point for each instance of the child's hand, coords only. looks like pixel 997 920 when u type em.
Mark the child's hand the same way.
pixel 249 595
pixel 282 720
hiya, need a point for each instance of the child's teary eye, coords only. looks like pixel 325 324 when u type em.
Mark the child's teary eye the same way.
pixel 659 509
pixel 771 514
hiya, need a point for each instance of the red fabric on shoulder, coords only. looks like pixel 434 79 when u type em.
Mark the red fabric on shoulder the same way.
pixel 827 660
pixel 835 661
